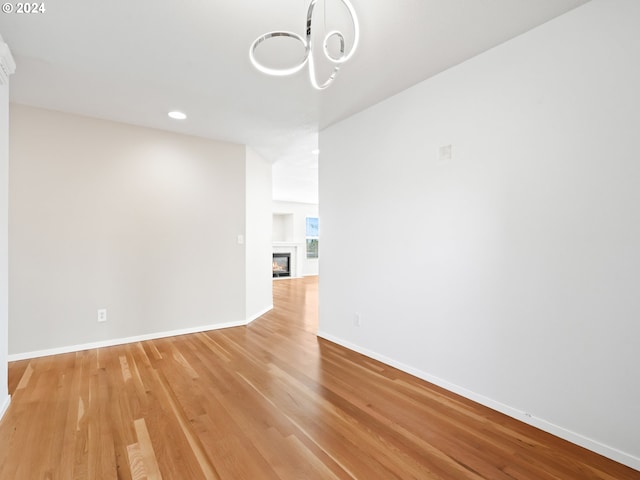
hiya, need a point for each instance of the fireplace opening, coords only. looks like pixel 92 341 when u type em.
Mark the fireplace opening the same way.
pixel 281 264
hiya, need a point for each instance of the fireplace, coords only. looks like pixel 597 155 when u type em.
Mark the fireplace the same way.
pixel 281 264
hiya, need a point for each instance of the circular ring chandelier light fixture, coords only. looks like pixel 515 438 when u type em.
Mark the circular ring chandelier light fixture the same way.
pixel 307 44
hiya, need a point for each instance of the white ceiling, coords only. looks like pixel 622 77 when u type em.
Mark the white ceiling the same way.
pixel 133 61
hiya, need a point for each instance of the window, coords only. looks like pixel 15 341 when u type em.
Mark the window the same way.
pixel 312 237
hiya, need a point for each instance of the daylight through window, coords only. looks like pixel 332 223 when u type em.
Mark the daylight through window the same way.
pixel 312 237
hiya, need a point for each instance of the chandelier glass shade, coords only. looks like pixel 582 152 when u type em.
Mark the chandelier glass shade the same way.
pixel 307 43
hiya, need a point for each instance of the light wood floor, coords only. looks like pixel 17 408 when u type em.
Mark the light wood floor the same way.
pixel 269 401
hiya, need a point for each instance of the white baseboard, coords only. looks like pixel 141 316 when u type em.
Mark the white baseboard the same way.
pixel 4 405
pixel 123 341
pixel 573 437
pixel 296 278
pixel 138 338
pixel 259 314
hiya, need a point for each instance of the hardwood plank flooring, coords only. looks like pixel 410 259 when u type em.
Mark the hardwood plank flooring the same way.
pixel 267 401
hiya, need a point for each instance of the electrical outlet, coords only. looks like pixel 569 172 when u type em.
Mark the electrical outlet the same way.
pixel 102 315
pixel 357 320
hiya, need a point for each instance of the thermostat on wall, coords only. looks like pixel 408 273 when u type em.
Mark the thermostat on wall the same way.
pixel 446 152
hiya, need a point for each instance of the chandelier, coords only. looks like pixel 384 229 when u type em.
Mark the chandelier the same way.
pixel 336 60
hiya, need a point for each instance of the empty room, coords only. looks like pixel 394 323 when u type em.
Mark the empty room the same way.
pixel 320 239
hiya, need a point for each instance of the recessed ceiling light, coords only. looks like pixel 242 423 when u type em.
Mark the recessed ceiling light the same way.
pixel 177 115
pixel 316 151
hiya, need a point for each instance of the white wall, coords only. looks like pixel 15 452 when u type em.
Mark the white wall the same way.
pixel 7 62
pixel 142 222
pixel 295 228
pixel 283 227
pixel 509 273
pixel 258 235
